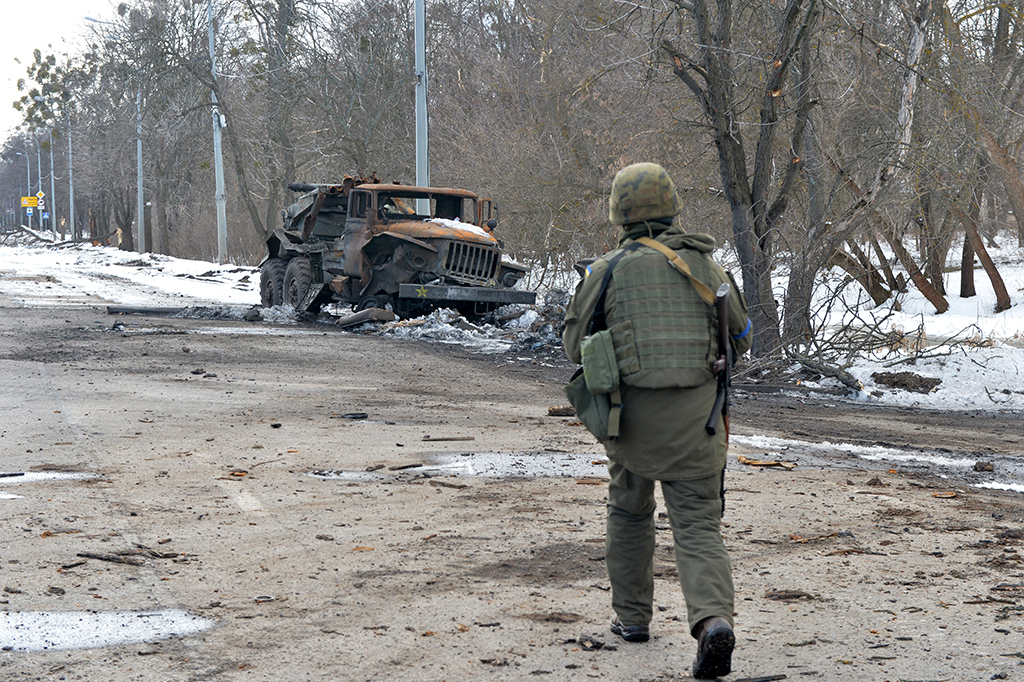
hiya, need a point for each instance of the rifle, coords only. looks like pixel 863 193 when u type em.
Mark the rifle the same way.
pixel 721 366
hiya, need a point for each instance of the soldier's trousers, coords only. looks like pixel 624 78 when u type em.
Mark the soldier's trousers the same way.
pixel 695 514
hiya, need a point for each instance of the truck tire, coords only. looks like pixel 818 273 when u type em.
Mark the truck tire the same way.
pixel 272 282
pixel 510 279
pixel 381 301
pixel 297 278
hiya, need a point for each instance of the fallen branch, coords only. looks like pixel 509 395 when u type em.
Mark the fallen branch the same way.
pixel 788 595
pixel 797 538
pixel 113 558
pixel 838 373
pixel 446 484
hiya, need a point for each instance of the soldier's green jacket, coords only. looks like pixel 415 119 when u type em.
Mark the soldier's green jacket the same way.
pixel 665 341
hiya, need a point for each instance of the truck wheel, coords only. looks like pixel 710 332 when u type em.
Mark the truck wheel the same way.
pixel 382 301
pixel 510 279
pixel 272 282
pixel 297 279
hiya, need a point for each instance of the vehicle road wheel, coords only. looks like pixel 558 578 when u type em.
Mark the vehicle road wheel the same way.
pixel 511 278
pixel 382 301
pixel 272 282
pixel 297 279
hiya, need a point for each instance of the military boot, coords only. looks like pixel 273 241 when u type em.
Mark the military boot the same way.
pixel 715 643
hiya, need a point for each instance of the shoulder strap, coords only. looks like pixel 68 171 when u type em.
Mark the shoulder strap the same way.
pixel 679 264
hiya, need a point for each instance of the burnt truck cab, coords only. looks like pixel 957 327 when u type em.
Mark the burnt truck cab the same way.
pixel 377 245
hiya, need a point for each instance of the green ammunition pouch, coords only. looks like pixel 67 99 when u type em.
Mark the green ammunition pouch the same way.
pixel 599 365
pixel 595 394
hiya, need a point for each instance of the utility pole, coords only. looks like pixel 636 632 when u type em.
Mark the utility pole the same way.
pixel 39 167
pixel 422 157
pixel 71 182
pixel 218 161
pixel 138 175
pixel 71 185
pixel 53 195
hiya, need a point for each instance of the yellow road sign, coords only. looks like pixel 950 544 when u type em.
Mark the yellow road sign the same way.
pixel 29 202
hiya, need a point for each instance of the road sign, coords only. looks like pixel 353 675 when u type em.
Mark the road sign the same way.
pixel 46 215
pixel 28 211
pixel 41 204
pixel 29 202
pixel 40 194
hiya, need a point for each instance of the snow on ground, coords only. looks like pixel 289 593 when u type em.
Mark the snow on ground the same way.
pixel 1005 473
pixel 977 354
pixel 71 274
pixel 43 631
pixel 979 364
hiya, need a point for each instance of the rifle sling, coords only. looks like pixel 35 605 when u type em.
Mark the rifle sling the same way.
pixel 680 265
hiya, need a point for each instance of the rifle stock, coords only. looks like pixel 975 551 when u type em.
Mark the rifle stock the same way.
pixel 722 364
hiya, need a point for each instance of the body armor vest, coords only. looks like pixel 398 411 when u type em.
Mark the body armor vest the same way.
pixel 664 332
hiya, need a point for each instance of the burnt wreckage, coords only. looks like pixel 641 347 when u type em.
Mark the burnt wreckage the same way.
pixel 377 245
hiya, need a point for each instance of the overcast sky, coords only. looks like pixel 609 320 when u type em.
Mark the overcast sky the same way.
pixel 37 24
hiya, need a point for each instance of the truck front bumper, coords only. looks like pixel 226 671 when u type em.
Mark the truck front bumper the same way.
pixel 432 292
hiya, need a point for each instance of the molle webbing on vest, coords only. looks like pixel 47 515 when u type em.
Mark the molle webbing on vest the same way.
pixel 682 267
pixel 672 326
pixel 625 348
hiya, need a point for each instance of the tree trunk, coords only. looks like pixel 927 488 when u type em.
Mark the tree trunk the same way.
pixel 799 293
pixel 995 153
pixel 124 217
pixel 932 255
pixel 967 289
pixel 890 279
pixel 827 238
pixel 867 277
pixel 806 260
pixel 754 216
pixel 917 277
pixel 1002 297
pixel 999 156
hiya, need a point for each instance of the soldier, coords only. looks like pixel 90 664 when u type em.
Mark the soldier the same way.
pixel 664 346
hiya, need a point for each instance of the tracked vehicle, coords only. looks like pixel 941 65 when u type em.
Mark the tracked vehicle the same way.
pixel 407 249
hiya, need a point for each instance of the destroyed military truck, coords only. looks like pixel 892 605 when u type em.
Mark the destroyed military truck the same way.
pixel 398 247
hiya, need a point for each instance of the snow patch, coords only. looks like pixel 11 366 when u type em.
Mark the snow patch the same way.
pixel 459 225
pixel 47 631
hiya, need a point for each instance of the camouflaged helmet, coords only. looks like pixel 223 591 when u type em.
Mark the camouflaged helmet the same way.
pixel 640 192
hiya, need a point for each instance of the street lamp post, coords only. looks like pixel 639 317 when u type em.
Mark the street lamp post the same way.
pixel 138 161
pixel 71 182
pixel 71 185
pixel 422 147
pixel 39 181
pixel 53 195
pixel 218 163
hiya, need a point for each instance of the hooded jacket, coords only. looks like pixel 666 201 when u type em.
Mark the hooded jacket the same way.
pixel 665 342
